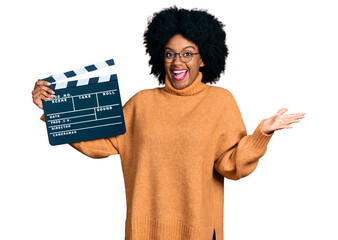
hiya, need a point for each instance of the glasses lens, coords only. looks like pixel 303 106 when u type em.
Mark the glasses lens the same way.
pixel 186 55
pixel 168 56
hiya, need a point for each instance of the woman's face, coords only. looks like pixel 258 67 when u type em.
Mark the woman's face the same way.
pixel 181 74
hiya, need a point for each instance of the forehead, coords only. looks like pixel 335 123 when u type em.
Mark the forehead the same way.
pixel 178 42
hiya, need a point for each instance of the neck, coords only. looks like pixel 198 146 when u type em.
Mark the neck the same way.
pixel 195 87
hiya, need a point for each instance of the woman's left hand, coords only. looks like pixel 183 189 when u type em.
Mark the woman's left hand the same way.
pixel 279 121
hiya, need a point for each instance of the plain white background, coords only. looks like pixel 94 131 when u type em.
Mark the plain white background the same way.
pixel 282 54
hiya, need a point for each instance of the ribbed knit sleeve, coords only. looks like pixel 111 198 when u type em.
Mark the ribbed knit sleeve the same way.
pixel 239 152
pixel 98 148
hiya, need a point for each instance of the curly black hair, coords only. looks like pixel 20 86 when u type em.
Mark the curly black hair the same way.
pixel 199 27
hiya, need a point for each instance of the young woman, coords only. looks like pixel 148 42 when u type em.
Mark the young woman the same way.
pixel 184 138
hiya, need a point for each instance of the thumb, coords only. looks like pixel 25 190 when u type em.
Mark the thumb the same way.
pixel 281 111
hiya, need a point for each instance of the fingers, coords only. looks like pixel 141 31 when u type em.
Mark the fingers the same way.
pixel 42 89
pixel 289 116
pixel 41 82
pixel 279 121
pixel 290 121
pixel 298 115
pixel 286 120
pixel 42 92
pixel 41 96
pixel 281 111
pixel 295 117
pixel 42 85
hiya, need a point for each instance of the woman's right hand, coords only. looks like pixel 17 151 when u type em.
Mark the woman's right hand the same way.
pixel 41 92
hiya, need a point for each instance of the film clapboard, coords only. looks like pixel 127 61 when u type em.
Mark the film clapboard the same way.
pixel 84 109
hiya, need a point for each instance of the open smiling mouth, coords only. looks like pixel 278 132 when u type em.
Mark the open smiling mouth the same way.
pixel 179 74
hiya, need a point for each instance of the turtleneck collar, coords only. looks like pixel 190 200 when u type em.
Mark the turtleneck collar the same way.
pixel 194 88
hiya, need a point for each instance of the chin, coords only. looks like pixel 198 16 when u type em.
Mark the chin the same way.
pixel 180 85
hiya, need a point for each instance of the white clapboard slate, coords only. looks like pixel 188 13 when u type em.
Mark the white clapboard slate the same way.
pixel 84 109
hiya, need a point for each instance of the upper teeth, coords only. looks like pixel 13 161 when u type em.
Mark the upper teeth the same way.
pixel 181 71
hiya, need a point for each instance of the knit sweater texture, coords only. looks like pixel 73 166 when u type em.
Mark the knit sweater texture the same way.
pixel 178 147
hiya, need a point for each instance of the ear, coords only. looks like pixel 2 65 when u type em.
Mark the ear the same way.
pixel 202 64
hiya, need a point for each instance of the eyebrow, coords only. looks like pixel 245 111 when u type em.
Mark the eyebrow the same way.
pixel 182 49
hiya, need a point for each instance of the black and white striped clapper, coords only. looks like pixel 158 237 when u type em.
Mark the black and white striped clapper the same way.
pixel 84 109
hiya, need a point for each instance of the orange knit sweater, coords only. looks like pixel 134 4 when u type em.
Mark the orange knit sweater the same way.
pixel 178 147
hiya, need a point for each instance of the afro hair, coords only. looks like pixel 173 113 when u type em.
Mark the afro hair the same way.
pixel 199 27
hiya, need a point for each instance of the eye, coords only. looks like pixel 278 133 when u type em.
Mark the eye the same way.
pixel 187 54
pixel 168 54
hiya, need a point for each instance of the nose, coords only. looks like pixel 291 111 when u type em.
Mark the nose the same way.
pixel 177 59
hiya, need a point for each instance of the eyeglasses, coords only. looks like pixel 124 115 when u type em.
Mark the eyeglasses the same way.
pixel 185 56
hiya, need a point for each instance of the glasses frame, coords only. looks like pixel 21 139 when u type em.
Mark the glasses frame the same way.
pixel 179 54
